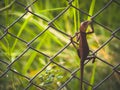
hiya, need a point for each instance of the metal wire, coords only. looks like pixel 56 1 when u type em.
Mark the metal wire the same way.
pixel 50 24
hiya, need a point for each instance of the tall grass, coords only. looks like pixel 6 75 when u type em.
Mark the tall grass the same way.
pixel 49 43
pixel 92 6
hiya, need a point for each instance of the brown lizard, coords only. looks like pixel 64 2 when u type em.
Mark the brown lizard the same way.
pixel 83 49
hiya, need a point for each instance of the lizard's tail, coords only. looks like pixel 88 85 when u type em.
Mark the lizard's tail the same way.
pixel 81 75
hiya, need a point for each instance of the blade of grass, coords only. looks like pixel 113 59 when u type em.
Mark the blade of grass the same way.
pixel 41 26
pixel 7 6
pixel 53 9
pixel 51 32
pixel 6 47
pixel 6 16
pixel 92 79
pixel 92 6
pixel 76 16
pixel 20 31
pixel 77 23
pixel 32 57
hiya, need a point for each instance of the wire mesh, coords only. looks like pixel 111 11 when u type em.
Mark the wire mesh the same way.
pixel 5 31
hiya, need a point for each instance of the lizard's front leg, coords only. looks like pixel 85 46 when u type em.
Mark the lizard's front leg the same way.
pixel 91 57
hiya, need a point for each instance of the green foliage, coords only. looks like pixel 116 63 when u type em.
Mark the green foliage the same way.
pixel 52 41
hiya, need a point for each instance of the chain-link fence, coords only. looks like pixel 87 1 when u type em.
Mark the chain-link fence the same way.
pixel 31 81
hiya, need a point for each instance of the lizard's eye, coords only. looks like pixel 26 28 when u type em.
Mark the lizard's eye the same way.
pixel 84 25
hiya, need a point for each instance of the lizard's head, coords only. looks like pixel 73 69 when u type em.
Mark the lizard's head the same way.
pixel 84 25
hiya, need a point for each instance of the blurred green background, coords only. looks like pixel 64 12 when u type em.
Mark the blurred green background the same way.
pixel 52 41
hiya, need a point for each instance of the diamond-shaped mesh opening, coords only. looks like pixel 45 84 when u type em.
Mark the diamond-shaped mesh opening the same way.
pixel 9 51
pixel 29 26
pixel 112 82
pixel 48 7
pixel 68 57
pixel 107 20
pixel 53 76
pixel 42 43
pixel 8 16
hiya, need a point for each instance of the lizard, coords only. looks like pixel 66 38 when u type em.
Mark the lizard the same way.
pixel 83 49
